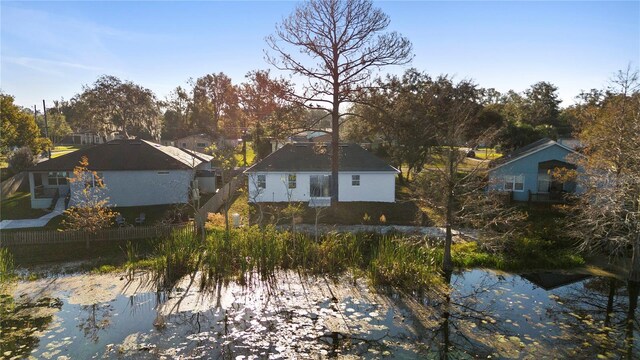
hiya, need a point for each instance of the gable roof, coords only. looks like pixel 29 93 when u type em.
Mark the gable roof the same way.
pixel 314 157
pixel 527 150
pixel 198 155
pixel 123 155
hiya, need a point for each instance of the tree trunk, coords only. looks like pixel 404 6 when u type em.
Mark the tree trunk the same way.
pixel 335 151
pixel 634 274
pixel 447 263
pixel 610 298
pixel 634 291
pixel 335 124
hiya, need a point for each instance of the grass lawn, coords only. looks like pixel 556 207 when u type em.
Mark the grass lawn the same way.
pixel 60 150
pixel 487 154
pixel 18 206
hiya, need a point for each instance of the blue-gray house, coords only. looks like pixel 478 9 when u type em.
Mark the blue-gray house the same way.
pixel 526 172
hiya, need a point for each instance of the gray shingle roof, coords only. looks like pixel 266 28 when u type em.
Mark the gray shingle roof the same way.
pixel 524 152
pixel 300 157
pixel 123 155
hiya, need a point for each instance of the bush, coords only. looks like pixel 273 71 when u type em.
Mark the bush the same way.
pixel 21 159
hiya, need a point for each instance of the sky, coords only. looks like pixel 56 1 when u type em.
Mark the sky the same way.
pixel 49 50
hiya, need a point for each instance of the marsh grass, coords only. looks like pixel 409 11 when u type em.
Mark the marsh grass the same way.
pixel 525 253
pixel 251 252
pixel 6 267
pixel 409 264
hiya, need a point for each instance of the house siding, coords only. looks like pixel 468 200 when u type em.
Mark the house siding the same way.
pixel 142 188
pixel 375 187
pixel 527 167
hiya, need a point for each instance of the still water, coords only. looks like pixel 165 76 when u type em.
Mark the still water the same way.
pixel 484 315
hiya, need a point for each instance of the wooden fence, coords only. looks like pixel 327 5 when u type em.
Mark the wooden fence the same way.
pixel 19 238
pixel 214 204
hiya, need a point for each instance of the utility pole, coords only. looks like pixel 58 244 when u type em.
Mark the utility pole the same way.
pixel 46 126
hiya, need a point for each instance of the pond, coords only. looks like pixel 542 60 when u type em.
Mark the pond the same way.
pixel 485 315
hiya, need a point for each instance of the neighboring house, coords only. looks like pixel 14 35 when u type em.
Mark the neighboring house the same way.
pixel 88 138
pixel 195 142
pixel 301 172
pixel 319 136
pixel 526 172
pixel 135 173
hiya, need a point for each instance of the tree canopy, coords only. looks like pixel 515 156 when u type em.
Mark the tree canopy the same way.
pixel 112 105
pixel 19 127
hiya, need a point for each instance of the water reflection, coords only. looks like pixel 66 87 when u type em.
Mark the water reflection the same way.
pixel 482 314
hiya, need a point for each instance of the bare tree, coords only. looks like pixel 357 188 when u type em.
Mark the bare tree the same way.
pixel 608 213
pixel 336 45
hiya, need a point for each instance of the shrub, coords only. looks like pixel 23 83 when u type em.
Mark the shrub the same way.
pixel 215 221
pixel 21 159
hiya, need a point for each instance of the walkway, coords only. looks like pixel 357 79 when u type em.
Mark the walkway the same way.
pixel 31 223
pixel 434 232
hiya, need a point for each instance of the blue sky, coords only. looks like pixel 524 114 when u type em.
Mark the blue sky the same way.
pixel 50 49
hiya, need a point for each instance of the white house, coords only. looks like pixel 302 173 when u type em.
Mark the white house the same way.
pixel 526 172
pixel 301 172
pixel 134 172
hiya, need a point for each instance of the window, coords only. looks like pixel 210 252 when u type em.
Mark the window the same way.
pixel 93 180
pixel 201 145
pixel 544 182
pixel 514 183
pixel 163 173
pixel 355 180
pixel 319 185
pixel 292 181
pixel 262 181
pixel 184 145
pixel 57 178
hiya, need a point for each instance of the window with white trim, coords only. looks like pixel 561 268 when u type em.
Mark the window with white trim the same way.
pixel 57 178
pixel 292 181
pixel 262 181
pixel 355 180
pixel 514 183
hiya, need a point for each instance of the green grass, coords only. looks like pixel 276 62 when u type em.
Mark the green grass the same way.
pixel 60 150
pixel 18 206
pixel 487 153
pixel 524 254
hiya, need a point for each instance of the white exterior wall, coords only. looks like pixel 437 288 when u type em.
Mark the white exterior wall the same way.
pixel 378 187
pixel 142 188
pixel 375 187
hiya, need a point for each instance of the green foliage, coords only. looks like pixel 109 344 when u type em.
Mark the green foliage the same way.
pixel 411 267
pixel 6 267
pixel 105 269
pixel 21 159
pixel 19 128
pixel 110 103
pixel 56 125
pixel 525 253
pixel 262 252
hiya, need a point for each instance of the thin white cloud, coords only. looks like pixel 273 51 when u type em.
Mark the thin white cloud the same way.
pixel 45 65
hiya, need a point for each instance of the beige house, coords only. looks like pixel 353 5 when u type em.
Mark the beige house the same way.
pixel 195 142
